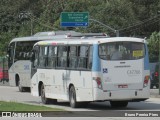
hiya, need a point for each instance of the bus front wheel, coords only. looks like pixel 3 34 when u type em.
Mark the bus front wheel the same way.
pixel 117 104
pixel 43 97
pixel 72 97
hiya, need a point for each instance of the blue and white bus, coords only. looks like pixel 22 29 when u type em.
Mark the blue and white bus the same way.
pixel 83 70
pixel 19 51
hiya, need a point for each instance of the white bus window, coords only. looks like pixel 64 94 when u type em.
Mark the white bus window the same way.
pixel 73 57
pixel 23 50
pixel 116 53
pixel 43 56
pixel 52 55
pixel 121 51
pixel 83 57
pixel 62 56
pixel 52 51
pixel 103 51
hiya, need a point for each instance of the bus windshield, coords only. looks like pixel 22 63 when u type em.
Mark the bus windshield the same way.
pixel 121 51
pixel 23 50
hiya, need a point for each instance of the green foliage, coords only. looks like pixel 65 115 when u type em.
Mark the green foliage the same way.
pixel 44 15
pixel 4 38
pixel 153 46
pixel 13 106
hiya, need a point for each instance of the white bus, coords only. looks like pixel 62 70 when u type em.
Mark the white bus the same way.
pixel 84 70
pixel 19 51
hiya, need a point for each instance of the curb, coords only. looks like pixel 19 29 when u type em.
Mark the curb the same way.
pixel 155 96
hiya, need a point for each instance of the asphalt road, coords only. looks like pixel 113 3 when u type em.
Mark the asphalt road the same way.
pixel 93 109
pixel 12 94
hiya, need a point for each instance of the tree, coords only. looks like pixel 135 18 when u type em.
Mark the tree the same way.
pixel 124 15
pixel 153 46
pixel 146 14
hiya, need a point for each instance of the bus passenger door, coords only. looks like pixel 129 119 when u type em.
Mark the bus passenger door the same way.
pixel 61 73
pixel 65 80
pixel 34 65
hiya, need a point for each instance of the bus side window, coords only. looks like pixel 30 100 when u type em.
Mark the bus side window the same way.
pixel 43 56
pixel 52 53
pixel 83 57
pixel 72 57
pixel 62 56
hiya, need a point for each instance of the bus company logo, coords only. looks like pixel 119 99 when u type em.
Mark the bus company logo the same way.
pixel 133 72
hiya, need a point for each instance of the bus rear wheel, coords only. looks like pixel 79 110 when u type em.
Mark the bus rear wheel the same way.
pixel 21 89
pixel 72 97
pixel 118 104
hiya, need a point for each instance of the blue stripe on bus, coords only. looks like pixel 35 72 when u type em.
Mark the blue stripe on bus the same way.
pixel 146 59
pixel 96 67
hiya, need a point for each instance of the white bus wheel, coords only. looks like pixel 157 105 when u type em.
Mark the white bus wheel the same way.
pixel 43 97
pixel 72 97
pixel 21 89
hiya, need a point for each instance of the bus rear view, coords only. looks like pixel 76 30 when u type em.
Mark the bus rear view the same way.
pixel 123 72
pixel 83 70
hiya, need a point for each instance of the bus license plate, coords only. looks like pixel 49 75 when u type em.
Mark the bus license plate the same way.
pixel 122 86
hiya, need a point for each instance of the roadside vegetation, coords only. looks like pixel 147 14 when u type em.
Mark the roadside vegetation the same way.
pixel 134 18
pixel 14 106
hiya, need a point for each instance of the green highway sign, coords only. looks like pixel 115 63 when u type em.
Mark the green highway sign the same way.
pixel 74 19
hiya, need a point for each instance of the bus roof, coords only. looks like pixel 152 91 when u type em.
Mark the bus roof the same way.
pixel 89 40
pixel 37 38
pixel 51 35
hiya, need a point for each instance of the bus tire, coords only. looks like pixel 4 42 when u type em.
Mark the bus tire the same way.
pixel 43 97
pixel 118 104
pixel 21 89
pixel 72 97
